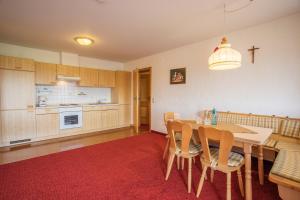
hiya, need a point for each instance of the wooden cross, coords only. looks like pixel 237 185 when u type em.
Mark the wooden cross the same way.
pixel 252 50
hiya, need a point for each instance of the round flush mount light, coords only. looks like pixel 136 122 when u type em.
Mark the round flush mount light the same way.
pixel 84 41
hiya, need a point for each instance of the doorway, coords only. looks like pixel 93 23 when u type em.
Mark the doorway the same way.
pixel 142 99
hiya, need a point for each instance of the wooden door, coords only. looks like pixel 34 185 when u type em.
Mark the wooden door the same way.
pixel 136 100
pixel 144 93
pixel 17 90
pixel 45 73
pixel 88 77
pixel 92 120
pixel 17 125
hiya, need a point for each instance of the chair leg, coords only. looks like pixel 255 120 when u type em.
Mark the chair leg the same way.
pixel 178 162
pixel 190 175
pixel 228 186
pixel 212 172
pixel 202 170
pixel 194 160
pixel 201 181
pixel 166 148
pixel 170 163
pixel 182 163
pixel 241 186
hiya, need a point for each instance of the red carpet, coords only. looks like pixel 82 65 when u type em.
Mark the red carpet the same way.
pixel 130 168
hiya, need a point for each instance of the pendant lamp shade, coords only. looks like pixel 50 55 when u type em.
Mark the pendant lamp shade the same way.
pixel 224 57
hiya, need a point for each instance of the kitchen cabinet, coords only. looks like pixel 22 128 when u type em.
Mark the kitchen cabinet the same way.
pixel 88 77
pixel 110 119
pixel 92 120
pixel 17 126
pixel 124 115
pixel 47 122
pixel 67 70
pixel 45 73
pixel 107 78
pixel 17 90
pixel 122 92
pixel 23 64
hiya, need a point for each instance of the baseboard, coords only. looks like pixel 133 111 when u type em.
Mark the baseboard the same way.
pixel 157 132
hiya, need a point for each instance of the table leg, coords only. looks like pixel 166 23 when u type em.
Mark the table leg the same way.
pixel 248 183
pixel 261 164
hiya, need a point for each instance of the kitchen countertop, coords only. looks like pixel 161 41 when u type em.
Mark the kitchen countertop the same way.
pixel 79 105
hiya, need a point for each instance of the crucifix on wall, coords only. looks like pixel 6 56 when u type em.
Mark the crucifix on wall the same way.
pixel 252 50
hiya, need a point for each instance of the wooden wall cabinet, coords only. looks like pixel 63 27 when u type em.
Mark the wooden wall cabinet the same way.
pixel 23 64
pixel 45 73
pixel 88 77
pixel 17 90
pixel 67 70
pixel 107 78
pixel 122 92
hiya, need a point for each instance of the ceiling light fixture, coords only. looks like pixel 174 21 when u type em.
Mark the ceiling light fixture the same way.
pixel 84 41
pixel 224 57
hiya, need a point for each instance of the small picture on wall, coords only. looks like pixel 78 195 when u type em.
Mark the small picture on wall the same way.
pixel 177 76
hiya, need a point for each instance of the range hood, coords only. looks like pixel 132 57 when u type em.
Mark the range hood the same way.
pixel 68 59
pixel 67 78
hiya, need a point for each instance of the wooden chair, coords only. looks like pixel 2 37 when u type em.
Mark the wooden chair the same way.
pixel 168 116
pixel 221 159
pixel 181 148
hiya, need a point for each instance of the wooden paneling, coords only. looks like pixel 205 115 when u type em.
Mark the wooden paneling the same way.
pixel 122 92
pixel 17 125
pixel 17 90
pixel 67 70
pixel 45 73
pixel 24 64
pixel 47 124
pixel 107 78
pixel 88 77
pixel 124 115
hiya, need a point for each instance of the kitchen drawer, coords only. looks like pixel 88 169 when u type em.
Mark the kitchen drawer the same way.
pixel 41 111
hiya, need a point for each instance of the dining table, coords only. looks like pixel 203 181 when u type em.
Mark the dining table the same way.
pixel 246 137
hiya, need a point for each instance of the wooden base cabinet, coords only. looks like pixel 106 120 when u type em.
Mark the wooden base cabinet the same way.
pixel 124 115
pixel 17 125
pixel 92 120
pixel 47 124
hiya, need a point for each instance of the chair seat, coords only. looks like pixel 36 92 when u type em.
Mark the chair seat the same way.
pixel 234 160
pixel 193 148
pixel 287 165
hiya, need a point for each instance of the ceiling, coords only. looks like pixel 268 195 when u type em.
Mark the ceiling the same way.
pixel 124 30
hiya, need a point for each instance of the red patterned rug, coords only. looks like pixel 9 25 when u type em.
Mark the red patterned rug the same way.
pixel 130 168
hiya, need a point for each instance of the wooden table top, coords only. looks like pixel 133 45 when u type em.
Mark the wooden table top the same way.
pixel 243 133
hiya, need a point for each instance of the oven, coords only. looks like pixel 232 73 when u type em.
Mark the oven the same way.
pixel 70 117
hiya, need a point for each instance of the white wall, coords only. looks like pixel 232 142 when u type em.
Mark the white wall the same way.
pixel 269 86
pixel 54 57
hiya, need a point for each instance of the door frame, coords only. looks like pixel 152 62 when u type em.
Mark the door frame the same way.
pixel 136 105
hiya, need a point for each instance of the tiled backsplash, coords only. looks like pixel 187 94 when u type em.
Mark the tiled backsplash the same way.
pixel 68 92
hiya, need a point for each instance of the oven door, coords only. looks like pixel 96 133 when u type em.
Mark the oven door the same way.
pixel 70 119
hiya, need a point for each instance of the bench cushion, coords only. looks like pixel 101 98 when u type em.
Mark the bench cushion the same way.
pixel 287 146
pixel 265 122
pixel 287 165
pixel 290 128
pixel 270 143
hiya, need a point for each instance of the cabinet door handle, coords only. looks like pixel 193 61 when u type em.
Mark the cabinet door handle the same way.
pixel 18 67
pixel 30 106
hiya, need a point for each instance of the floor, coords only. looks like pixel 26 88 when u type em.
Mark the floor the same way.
pixel 128 168
pixel 58 145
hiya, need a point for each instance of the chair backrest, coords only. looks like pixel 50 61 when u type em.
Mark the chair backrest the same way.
pixel 226 141
pixel 186 132
pixel 170 116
